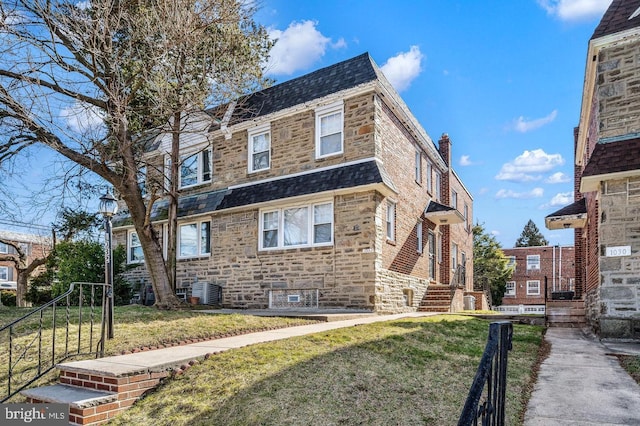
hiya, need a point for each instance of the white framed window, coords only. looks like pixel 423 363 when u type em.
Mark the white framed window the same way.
pixel 438 184
pixel 429 172
pixel 533 288
pixel 533 262
pixel 134 248
pixel 4 248
pixel 418 167
pixel 454 256
pixel 4 273
pixel 439 246
pixel 511 262
pixel 194 239
pixel 329 130
pixel 466 217
pixel 391 220
pixel 260 148
pixel 454 199
pixel 297 226
pixel 195 169
pixel 419 237
pixel 511 288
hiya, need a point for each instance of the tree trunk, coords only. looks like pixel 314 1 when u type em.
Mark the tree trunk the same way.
pixel 172 214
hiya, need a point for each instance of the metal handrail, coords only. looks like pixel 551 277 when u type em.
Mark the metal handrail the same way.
pixel 26 347
pixel 491 372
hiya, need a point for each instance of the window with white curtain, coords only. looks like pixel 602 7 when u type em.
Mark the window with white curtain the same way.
pixel 259 148
pixel 329 130
pixel 297 226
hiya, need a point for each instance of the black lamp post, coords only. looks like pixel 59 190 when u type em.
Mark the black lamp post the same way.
pixel 108 208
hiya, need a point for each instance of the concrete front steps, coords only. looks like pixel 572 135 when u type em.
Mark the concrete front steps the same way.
pixel 437 299
pixel 566 313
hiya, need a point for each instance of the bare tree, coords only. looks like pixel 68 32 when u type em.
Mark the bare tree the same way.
pixel 24 264
pixel 122 71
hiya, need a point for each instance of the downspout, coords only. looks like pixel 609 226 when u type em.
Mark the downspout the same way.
pixel 553 273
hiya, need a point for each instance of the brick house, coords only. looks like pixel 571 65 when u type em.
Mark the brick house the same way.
pixel 533 267
pixel 606 211
pixel 33 245
pixel 322 191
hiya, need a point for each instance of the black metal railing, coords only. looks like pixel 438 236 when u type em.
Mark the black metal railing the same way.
pixel 70 325
pixel 490 381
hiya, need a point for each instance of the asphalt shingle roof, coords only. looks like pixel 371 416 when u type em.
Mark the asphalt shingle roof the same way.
pixel 576 208
pixel 613 157
pixel 350 176
pixel 323 82
pixel 616 18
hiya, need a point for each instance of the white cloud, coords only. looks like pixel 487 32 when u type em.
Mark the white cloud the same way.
pixel 465 160
pixel 495 233
pixel 298 47
pixel 558 177
pixel 82 118
pixel 528 166
pixel 561 199
pixel 575 10
pixel 403 68
pixel 523 125
pixel 507 193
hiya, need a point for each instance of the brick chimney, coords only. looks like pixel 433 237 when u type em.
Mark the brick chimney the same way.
pixel 444 146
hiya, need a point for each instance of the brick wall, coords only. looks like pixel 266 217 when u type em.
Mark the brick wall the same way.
pixel 564 271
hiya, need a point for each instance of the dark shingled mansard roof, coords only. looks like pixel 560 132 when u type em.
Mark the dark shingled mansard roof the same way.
pixel 318 84
pixel 613 157
pixel 616 18
pixel 349 176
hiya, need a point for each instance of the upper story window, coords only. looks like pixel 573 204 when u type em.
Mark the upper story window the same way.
pixel 134 248
pixel 511 288
pixel 4 248
pixel 533 262
pixel 259 148
pixel 429 171
pixel 466 217
pixel 431 241
pixel 533 288
pixel 418 167
pixel 297 226
pixel 454 199
pixel 438 184
pixel 194 239
pixel 511 262
pixel 329 130
pixel 419 237
pixel 454 256
pixel 391 221
pixel 4 273
pixel 195 169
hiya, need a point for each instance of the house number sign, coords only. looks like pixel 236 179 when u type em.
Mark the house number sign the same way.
pixel 618 251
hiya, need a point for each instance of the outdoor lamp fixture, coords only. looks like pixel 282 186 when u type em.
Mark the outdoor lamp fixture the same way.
pixel 108 208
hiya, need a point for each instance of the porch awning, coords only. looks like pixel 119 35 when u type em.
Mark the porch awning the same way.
pixel 572 216
pixel 441 214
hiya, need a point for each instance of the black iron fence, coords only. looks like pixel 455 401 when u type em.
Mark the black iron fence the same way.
pixel 70 325
pixel 490 381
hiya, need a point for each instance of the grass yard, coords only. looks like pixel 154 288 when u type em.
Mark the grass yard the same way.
pixel 404 372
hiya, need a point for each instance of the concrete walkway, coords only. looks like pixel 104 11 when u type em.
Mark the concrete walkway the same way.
pixel 163 359
pixel 581 383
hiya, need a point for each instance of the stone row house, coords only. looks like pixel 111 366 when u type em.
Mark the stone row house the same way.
pixel 322 191
pixel 606 211
pixel 538 273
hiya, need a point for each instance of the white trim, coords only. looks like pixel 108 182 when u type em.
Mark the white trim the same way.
pixel 323 112
pixel 390 220
pixel 529 267
pixel 198 239
pixel 199 170
pixel 130 233
pixel 531 293
pixel 419 242
pixel 507 292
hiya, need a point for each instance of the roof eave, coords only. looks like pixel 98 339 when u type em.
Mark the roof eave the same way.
pixel 450 217
pixel 592 183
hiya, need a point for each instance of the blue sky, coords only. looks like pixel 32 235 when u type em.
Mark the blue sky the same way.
pixel 502 78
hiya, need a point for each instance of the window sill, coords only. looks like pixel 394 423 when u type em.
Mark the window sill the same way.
pixel 200 257
pixel 391 242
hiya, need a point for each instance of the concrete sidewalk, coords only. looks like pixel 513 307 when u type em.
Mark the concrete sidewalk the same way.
pixel 167 358
pixel 582 383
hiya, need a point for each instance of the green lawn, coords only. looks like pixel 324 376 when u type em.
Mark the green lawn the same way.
pixel 404 372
